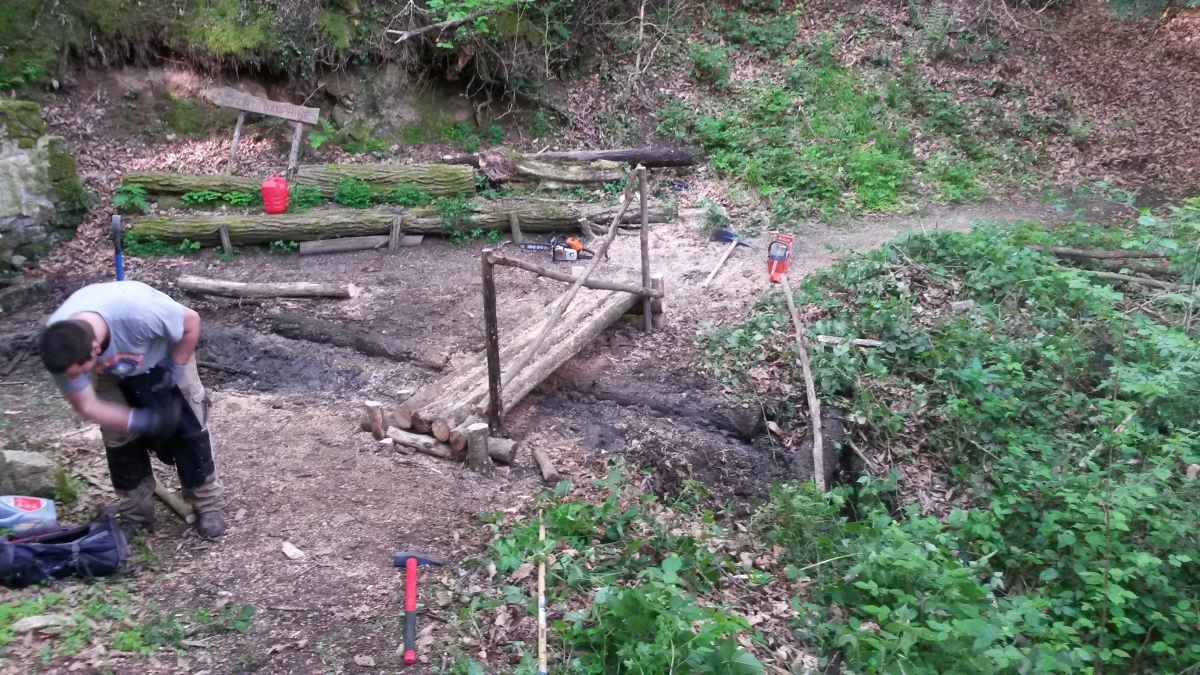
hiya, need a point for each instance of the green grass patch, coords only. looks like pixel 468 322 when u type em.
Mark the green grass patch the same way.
pixel 152 247
pixel 1060 409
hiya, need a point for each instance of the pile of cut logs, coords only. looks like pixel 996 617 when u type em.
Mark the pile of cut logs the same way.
pixel 443 413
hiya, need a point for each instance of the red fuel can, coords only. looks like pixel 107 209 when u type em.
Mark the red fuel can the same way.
pixel 275 194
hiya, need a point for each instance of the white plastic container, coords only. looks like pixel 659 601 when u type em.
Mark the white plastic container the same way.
pixel 27 516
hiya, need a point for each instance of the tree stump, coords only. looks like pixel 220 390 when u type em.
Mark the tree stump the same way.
pixel 477 448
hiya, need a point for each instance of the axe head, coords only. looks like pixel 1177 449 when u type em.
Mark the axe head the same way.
pixel 422 558
pixel 727 236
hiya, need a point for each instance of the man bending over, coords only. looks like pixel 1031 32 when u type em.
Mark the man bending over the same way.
pixel 138 346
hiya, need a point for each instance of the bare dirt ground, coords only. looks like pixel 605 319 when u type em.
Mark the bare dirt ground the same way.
pixel 298 469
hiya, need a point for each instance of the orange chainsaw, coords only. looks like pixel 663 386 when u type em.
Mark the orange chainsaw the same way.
pixel 563 250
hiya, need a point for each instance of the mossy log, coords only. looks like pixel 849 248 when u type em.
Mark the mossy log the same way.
pixel 439 180
pixel 245 230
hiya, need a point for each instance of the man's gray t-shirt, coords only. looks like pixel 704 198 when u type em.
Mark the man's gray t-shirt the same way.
pixel 143 324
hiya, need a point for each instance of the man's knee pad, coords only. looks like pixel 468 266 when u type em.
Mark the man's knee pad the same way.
pixel 193 459
pixel 128 464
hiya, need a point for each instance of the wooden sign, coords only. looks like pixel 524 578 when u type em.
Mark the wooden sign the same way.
pixel 232 98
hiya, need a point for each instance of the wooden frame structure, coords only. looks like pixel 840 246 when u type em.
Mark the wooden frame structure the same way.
pixel 651 291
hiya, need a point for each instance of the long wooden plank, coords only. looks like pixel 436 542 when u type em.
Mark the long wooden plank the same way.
pixel 240 100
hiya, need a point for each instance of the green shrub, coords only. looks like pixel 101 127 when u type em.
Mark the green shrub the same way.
pixel 711 65
pixel 282 246
pixel 539 126
pixel 151 247
pixel 130 198
pixel 243 199
pixel 1063 415
pixel 201 197
pixel 453 211
pixel 464 134
pixel 304 197
pixel 407 194
pixel 352 193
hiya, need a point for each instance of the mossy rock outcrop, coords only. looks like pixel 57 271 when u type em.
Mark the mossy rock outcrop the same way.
pixel 42 199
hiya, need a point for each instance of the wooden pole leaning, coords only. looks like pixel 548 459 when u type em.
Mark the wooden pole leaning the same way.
pixel 600 284
pixel 601 251
pixel 237 136
pixel 492 342
pixel 814 403
pixel 647 322
pixel 294 155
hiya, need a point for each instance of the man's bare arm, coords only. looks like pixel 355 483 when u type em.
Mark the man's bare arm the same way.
pixel 182 352
pixel 114 416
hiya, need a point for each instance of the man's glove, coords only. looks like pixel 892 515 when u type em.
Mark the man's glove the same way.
pixel 157 422
pixel 172 373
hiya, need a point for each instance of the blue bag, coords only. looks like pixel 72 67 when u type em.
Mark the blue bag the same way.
pixel 92 550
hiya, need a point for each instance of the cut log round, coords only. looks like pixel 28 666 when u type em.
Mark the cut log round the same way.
pixel 477 448
pixel 388 421
pixel 458 435
pixel 420 443
pixel 502 450
pixel 375 417
pixel 258 229
pixel 294 289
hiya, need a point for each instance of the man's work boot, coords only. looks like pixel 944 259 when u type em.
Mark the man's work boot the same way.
pixel 210 524
pixel 132 528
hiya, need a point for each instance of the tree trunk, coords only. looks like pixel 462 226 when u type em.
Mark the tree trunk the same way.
pixel 310 329
pixel 294 289
pixel 505 167
pixel 439 180
pixel 648 157
pixel 252 229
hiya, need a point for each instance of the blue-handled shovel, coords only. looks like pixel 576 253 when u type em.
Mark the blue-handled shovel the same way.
pixel 116 232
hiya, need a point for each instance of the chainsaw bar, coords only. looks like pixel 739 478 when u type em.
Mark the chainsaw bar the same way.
pixel 539 247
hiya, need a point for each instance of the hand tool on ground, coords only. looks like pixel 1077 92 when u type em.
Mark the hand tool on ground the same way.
pixel 116 232
pixel 562 250
pixel 541 602
pixel 778 254
pixel 409 560
pixel 734 242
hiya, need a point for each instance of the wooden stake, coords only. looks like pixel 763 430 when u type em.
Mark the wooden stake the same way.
pixel 294 155
pixel 814 404
pixel 477 448
pixel 397 234
pixel 375 414
pixel 226 246
pixel 177 505
pixel 647 322
pixel 656 304
pixel 237 136
pixel 541 599
pixel 491 338
pixel 549 473
pixel 720 262
pixel 515 221
pixel 601 251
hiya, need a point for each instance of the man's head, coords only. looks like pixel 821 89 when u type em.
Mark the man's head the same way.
pixel 69 347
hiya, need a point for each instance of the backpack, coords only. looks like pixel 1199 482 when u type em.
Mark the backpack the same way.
pixel 92 550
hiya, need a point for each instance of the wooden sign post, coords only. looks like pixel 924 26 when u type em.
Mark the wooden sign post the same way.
pixel 238 100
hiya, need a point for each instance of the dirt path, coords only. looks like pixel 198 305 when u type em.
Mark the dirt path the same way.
pixel 297 468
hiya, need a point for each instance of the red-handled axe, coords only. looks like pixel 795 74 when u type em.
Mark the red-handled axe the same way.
pixel 409 561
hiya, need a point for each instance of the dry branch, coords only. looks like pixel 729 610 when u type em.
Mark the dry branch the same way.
pixel 294 289
pixel 1144 281
pixel 1096 255
pixel 814 403
pixel 549 473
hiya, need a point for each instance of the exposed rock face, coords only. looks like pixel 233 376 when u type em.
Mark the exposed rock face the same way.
pixel 27 473
pixel 41 197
